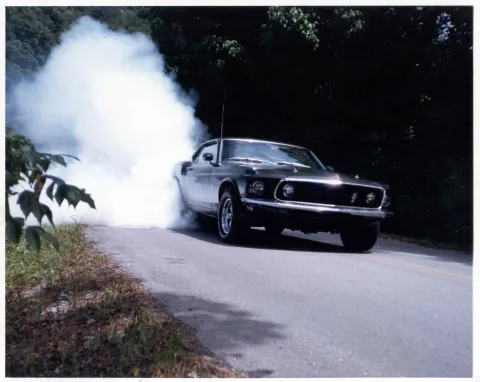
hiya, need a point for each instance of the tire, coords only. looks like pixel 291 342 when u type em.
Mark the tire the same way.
pixel 274 228
pixel 231 219
pixel 360 238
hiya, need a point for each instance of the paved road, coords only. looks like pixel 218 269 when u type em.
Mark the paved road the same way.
pixel 305 308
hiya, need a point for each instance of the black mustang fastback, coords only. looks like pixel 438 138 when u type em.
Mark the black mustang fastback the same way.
pixel 246 183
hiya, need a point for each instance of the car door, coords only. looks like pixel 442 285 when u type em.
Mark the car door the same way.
pixel 197 179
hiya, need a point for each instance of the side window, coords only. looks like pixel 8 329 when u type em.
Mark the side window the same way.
pixel 212 149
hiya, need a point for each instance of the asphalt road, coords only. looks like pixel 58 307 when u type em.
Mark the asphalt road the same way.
pixel 300 306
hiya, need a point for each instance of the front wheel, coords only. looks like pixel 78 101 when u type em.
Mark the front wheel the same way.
pixel 360 238
pixel 231 218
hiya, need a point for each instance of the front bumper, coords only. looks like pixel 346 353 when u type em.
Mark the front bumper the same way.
pixel 319 208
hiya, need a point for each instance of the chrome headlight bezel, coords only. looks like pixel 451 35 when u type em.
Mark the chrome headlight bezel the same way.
pixel 386 200
pixel 257 187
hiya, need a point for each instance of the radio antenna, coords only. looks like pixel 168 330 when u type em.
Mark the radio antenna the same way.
pixel 220 146
pixel 223 113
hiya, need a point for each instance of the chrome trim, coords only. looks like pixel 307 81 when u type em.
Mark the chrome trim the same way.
pixel 331 182
pixel 383 200
pixel 357 211
pixel 327 181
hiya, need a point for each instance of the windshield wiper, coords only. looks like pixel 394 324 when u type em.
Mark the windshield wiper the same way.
pixel 283 163
pixel 250 160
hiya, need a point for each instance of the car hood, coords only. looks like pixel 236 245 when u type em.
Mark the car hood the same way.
pixel 297 172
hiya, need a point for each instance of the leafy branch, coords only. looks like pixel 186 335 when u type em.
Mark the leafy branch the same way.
pixel 24 163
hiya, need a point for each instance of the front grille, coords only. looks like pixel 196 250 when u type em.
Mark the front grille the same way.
pixel 339 195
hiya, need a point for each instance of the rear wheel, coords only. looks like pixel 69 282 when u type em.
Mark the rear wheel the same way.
pixel 360 238
pixel 231 220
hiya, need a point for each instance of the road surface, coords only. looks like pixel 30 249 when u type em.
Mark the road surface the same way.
pixel 300 306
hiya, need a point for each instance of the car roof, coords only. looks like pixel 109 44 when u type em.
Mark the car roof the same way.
pixel 252 140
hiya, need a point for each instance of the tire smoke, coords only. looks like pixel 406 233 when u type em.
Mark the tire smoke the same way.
pixel 105 97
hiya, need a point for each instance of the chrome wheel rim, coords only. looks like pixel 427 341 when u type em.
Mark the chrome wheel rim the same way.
pixel 226 216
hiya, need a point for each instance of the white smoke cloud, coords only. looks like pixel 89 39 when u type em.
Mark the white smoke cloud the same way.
pixel 105 97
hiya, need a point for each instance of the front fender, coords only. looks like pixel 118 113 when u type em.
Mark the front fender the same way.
pixel 238 184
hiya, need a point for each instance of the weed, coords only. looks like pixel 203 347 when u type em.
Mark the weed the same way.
pixel 73 313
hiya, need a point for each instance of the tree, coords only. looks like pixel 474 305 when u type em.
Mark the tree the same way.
pixel 385 92
pixel 24 163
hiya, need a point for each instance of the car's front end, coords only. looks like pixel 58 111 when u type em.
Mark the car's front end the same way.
pixel 316 203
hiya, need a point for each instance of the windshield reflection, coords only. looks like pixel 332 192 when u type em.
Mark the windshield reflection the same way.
pixel 270 153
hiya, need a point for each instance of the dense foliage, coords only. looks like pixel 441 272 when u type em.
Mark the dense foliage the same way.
pixel 385 92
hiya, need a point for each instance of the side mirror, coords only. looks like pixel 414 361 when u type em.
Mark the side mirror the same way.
pixel 207 157
pixel 329 168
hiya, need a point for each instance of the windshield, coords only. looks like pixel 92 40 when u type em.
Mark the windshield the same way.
pixel 272 153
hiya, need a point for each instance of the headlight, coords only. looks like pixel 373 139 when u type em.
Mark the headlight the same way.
pixel 256 187
pixel 288 190
pixel 386 201
pixel 370 199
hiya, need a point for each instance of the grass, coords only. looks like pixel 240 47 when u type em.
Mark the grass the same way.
pixel 74 313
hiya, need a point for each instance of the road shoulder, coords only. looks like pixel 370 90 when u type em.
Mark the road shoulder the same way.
pixel 76 313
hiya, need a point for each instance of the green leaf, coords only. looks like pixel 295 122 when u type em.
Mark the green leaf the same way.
pixel 46 211
pixel 31 156
pixel 86 198
pixel 50 191
pixel 20 221
pixel 40 210
pixel 55 179
pixel 48 237
pixel 70 156
pixel 37 212
pixel 61 193
pixel 13 229
pixel 32 238
pixel 74 195
pixel 59 159
pixel 44 164
pixel 27 202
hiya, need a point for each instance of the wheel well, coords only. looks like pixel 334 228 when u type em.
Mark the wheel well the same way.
pixel 225 185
